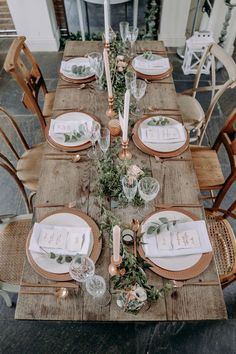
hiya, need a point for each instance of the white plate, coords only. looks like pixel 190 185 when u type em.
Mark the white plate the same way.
pixel 60 219
pixel 174 263
pixel 65 68
pixel 162 147
pixel 146 71
pixel 70 116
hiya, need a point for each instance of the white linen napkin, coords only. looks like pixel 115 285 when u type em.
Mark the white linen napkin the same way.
pixel 66 66
pixel 64 240
pixel 182 239
pixel 173 133
pixel 65 126
pixel 162 64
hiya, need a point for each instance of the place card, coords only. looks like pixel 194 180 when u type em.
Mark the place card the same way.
pixel 52 238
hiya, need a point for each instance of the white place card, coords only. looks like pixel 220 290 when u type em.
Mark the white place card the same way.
pixel 172 133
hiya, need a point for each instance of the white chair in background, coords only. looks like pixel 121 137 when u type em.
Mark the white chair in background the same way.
pixel 81 3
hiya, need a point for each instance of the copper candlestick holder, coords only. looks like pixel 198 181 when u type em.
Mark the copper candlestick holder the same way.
pixel 125 154
pixel 107 46
pixel 114 266
pixel 110 112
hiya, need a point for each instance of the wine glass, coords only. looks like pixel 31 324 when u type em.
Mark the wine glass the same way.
pixel 130 186
pixel 81 268
pixel 97 65
pixel 124 27
pixel 95 132
pixel 148 188
pixel 132 36
pixel 138 88
pixel 104 139
pixel 130 77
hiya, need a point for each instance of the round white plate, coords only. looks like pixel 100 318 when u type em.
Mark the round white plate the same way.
pixel 145 71
pixel 70 116
pixel 59 219
pixel 168 147
pixel 67 65
pixel 173 263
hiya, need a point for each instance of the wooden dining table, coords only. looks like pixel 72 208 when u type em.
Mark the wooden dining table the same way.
pixel 62 181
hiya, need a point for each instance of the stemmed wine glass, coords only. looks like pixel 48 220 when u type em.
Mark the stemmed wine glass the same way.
pixel 130 186
pixel 124 27
pixel 132 36
pixel 138 88
pixel 148 188
pixel 97 64
pixel 94 136
pixel 82 269
pixel 104 139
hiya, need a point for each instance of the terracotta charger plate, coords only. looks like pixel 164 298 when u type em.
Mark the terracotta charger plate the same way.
pixel 94 255
pixel 188 273
pixel 62 147
pixel 147 150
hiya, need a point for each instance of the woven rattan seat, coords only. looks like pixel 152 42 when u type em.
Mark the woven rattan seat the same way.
pixel 224 245
pixel 12 249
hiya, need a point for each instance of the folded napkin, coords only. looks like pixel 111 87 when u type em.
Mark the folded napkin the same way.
pixel 66 66
pixel 158 64
pixel 64 240
pixel 60 126
pixel 173 133
pixel 182 239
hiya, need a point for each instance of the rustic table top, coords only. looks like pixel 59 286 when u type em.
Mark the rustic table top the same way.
pixel 61 182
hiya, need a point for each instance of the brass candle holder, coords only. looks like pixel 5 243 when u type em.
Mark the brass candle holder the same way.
pixel 110 112
pixel 114 266
pixel 125 154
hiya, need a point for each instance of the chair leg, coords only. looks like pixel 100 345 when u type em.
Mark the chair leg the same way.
pixel 81 20
pixel 6 297
pixel 230 180
pixel 135 13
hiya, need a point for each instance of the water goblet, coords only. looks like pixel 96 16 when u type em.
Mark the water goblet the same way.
pixel 96 287
pixel 95 132
pixel 104 139
pixel 124 27
pixel 97 65
pixel 148 188
pixel 132 36
pixel 138 88
pixel 81 268
pixel 130 77
pixel 130 186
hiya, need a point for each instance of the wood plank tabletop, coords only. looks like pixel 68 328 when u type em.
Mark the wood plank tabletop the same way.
pixel 62 181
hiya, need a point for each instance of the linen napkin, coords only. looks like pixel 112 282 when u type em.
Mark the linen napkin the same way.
pixel 173 133
pixel 182 239
pixel 161 64
pixel 66 66
pixel 64 240
pixel 65 126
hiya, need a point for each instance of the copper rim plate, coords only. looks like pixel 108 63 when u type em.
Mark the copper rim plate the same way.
pixel 185 274
pixel 138 142
pixel 68 148
pixel 95 253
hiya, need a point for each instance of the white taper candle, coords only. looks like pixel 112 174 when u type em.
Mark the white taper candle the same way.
pixel 116 243
pixel 106 20
pixel 126 116
pixel 107 70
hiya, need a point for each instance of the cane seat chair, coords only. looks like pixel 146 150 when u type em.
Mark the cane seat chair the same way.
pixel 21 64
pixel 223 242
pixel 13 234
pixel 207 164
pixel 28 165
pixel 194 117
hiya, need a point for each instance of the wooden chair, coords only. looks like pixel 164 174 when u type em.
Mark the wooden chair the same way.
pixel 194 117
pixel 28 165
pixel 207 165
pixel 21 64
pixel 223 242
pixel 13 235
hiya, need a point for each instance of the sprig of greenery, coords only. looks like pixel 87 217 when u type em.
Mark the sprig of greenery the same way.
pixel 158 121
pixel 155 227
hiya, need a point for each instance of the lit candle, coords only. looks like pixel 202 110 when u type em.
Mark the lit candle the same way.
pixel 106 19
pixel 126 116
pixel 107 70
pixel 116 243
